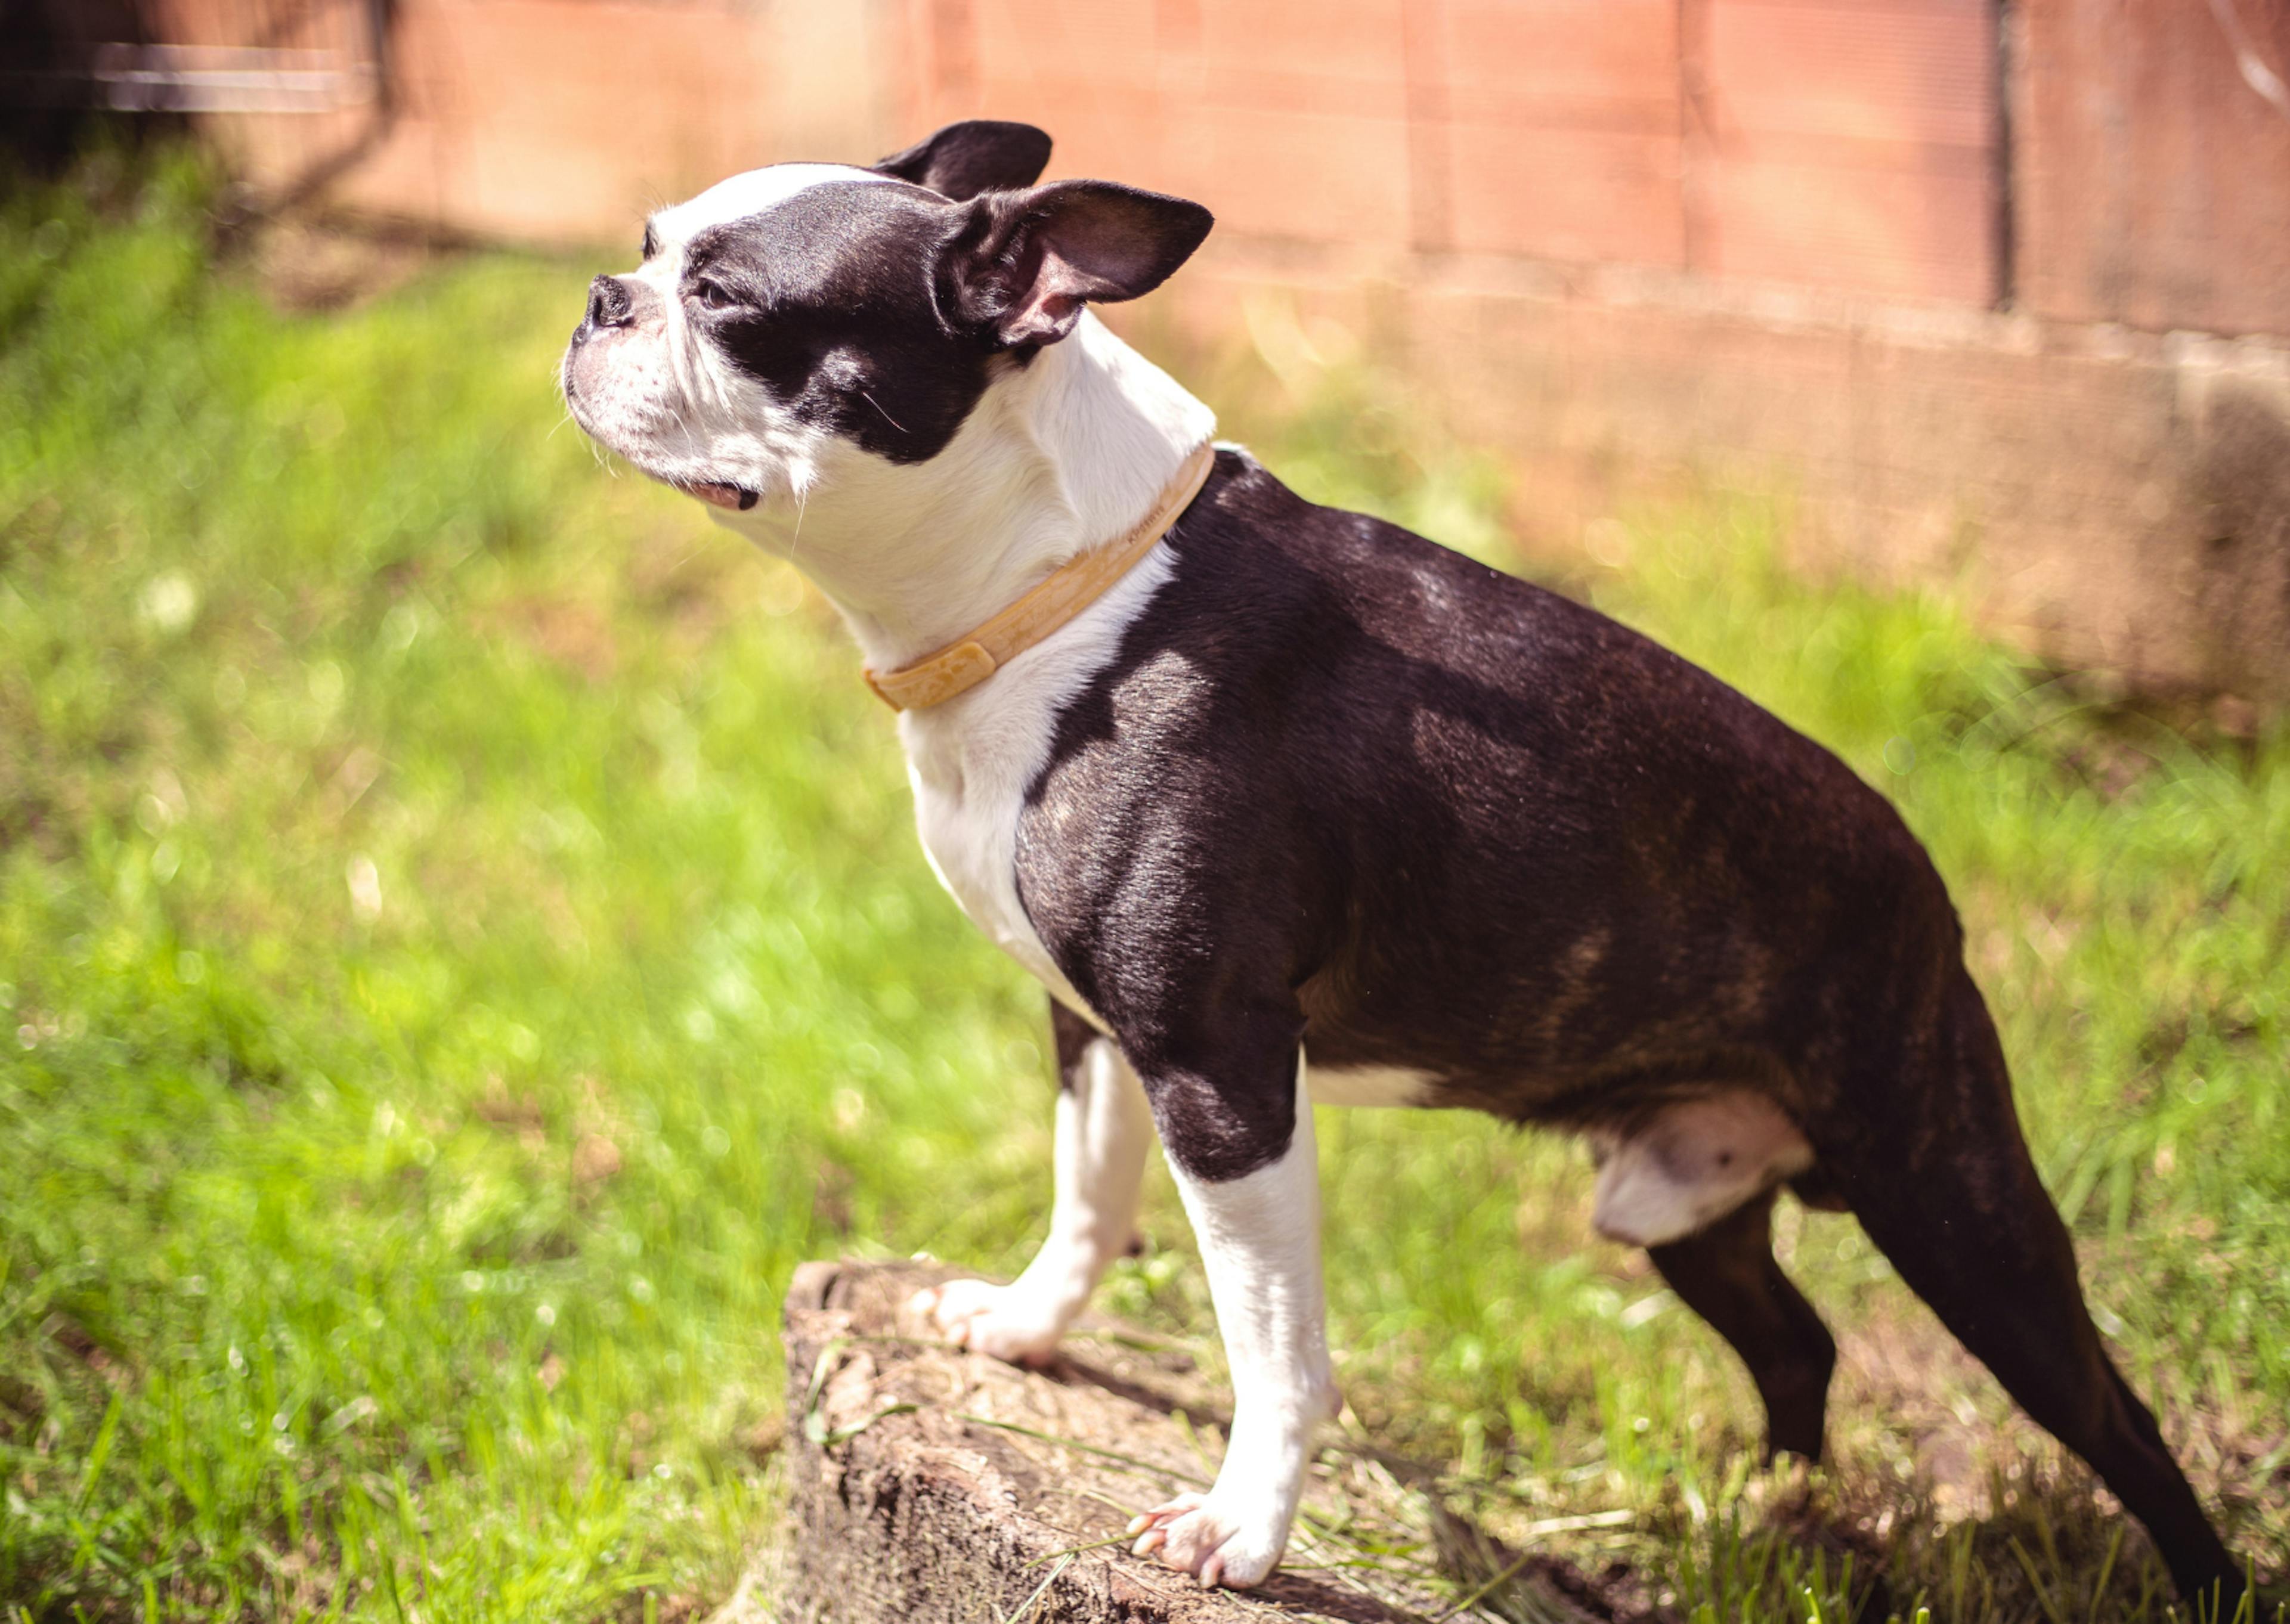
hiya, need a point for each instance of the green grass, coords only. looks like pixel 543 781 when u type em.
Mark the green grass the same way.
pixel 462 941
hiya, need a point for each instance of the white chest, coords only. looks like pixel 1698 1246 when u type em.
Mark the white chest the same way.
pixel 972 760
pixel 968 820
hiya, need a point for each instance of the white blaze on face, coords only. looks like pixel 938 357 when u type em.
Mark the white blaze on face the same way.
pixel 751 193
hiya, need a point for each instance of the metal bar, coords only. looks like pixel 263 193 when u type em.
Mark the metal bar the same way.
pixel 202 79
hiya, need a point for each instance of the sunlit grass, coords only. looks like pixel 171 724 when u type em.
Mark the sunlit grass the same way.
pixel 462 941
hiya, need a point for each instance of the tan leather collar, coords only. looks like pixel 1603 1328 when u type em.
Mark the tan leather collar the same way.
pixel 1069 589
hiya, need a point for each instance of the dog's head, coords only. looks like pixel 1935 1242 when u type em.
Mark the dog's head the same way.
pixel 796 315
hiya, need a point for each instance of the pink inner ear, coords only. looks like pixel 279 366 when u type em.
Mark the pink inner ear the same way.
pixel 1051 302
pixel 1045 315
pixel 1051 250
pixel 1050 305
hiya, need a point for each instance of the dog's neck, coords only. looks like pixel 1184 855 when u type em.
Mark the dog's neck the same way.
pixel 1059 457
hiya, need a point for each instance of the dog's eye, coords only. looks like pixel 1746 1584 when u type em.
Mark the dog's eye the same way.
pixel 651 243
pixel 713 294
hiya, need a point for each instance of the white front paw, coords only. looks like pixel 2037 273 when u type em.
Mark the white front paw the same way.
pixel 1006 1322
pixel 1218 1542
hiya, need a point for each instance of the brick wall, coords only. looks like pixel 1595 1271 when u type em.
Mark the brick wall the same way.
pixel 2154 182
pixel 1923 266
pixel 1828 248
pixel 1836 142
pixel 560 120
pixel 1858 145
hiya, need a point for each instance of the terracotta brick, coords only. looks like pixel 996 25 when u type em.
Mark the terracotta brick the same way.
pixel 2154 183
pixel 1848 145
pixel 1358 42
pixel 1108 41
pixel 1345 57
pixel 929 60
pixel 1272 89
pixel 1581 64
pixel 1570 195
pixel 1907 76
pixel 1110 133
pixel 566 119
pixel 1321 177
pixel 1914 234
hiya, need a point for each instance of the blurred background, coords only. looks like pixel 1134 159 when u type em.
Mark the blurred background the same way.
pixel 461 936
pixel 1938 265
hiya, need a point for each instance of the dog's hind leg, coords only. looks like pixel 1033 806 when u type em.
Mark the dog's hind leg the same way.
pixel 1726 1274
pixel 1942 1183
pixel 1104 1132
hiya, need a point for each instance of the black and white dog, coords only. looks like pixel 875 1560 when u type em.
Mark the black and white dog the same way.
pixel 1296 806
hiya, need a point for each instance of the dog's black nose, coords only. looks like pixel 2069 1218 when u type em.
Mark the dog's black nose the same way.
pixel 609 303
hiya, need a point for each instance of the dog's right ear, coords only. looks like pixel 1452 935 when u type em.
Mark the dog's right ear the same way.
pixel 1022 264
pixel 978 154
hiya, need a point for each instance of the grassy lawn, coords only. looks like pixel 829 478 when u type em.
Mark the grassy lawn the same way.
pixel 462 943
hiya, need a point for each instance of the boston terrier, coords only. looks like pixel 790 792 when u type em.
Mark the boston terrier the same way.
pixel 1285 805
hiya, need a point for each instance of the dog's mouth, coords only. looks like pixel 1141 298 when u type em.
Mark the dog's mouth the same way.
pixel 738 497
pixel 715 493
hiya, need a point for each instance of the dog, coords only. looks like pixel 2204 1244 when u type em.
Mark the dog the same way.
pixel 1285 805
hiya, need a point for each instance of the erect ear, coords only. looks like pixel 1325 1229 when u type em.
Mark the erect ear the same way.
pixel 978 154
pixel 1024 263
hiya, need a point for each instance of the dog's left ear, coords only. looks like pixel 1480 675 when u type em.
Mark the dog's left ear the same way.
pixel 978 154
pixel 1023 264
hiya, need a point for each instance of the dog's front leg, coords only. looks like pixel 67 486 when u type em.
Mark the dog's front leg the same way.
pixel 1260 1239
pixel 1104 1132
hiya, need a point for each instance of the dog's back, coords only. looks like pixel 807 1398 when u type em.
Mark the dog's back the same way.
pixel 1484 832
